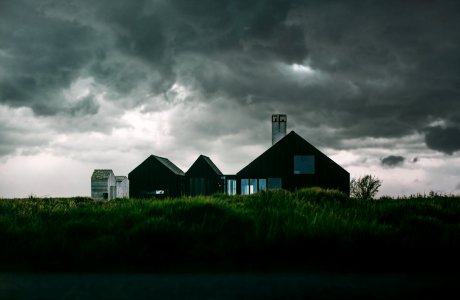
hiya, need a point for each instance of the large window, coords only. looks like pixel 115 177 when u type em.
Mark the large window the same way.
pixel 262 184
pixel 274 183
pixel 231 187
pixel 304 164
pixel 244 186
pixel 253 186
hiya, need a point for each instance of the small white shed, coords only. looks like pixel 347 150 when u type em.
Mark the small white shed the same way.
pixel 103 184
pixel 122 186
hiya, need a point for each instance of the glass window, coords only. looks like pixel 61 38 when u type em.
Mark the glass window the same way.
pixel 244 186
pixel 231 187
pixel 262 184
pixel 304 164
pixel 253 186
pixel 274 183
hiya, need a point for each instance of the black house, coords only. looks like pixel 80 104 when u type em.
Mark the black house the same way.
pixel 156 177
pixel 204 178
pixel 292 163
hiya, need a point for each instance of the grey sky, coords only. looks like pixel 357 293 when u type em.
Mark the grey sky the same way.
pixel 106 83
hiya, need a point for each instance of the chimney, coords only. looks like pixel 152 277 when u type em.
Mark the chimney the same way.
pixel 278 127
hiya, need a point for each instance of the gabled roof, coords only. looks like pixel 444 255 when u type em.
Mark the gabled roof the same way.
pixel 101 174
pixel 211 164
pixel 120 178
pixel 292 142
pixel 205 161
pixel 167 163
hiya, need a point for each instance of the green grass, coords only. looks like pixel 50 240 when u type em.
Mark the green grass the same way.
pixel 309 229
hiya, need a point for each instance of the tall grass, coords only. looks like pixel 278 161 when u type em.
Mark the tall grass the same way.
pixel 310 228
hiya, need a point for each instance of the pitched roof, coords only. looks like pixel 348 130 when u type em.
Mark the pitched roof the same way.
pixel 120 178
pixel 211 164
pixel 287 142
pixel 169 165
pixel 101 174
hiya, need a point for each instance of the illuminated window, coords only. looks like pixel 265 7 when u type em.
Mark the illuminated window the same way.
pixel 262 184
pixel 231 187
pixel 304 164
pixel 253 186
pixel 244 186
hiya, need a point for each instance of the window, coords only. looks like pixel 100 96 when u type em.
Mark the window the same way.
pixel 244 186
pixel 253 186
pixel 262 184
pixel 274 183
pixel 231 187
pixel 304 164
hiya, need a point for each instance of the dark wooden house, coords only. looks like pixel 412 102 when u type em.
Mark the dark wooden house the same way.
pixel 292 163
pixel 156 177
pixel 204 178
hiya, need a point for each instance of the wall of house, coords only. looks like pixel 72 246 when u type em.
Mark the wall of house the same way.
pixel 201 179
pixel 99 189
pixel 123 188
pixel 277 164
pixel 152 179
pixel 103 189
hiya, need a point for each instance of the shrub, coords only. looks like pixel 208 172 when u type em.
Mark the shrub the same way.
pixel 365 188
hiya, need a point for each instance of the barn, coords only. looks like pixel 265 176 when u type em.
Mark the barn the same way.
pixel 204 178
pixel 292 163
pixel 122 184
pixel 156 177
pixel 103 184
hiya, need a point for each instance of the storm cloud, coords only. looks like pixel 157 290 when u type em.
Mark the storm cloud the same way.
pixel 367 69
pixel 393 161
pixel 446 140
pixel 350 75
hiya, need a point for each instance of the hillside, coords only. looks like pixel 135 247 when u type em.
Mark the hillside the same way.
pixel 310 229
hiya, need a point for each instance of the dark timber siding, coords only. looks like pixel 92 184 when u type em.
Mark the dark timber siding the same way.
pixel 204 178
pixel 278 162
pixel 156 174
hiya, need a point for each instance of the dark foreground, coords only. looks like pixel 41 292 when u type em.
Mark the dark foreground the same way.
pixel 228 286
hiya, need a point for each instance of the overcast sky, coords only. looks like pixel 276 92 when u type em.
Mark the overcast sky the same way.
pixel 88 84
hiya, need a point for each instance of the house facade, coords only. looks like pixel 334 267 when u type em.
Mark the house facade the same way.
pixel 292 163
pixel 156 177
pixel 204 178
pixel 103 184
pixel 122 184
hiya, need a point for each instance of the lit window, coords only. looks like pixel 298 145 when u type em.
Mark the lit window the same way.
pixel 253 186
pixel 262 184
pixel 231 187
pixel 304 164
pixel 244 186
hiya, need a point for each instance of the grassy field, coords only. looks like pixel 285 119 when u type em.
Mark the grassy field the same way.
pixel 307 230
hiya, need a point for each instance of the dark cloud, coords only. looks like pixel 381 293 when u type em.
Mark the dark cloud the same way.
pixel 85 106
pixel 457 188
pixel 393 161
pixel 41 55
pixel 364 68
pixel 446 140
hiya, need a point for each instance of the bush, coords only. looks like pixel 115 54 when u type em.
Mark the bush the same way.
pixel 365 188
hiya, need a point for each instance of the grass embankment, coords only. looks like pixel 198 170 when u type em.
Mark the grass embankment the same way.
pixel 307 230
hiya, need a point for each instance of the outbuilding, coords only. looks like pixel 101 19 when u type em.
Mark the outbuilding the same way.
pixel 122 183
pixel 103 184
pixel 156 177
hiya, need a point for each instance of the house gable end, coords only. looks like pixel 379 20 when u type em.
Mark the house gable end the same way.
pixel 203 166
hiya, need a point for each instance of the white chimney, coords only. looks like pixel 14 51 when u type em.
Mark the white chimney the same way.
pixel 278 127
